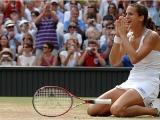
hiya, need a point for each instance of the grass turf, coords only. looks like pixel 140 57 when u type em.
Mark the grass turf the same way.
pixel 20 108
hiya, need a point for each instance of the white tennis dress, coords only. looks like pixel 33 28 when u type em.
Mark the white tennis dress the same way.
pixel 145 75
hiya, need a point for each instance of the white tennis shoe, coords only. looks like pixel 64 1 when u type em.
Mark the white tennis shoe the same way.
pixel 156 104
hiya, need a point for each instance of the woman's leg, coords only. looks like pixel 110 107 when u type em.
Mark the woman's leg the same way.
pixel 101 110
pixel 130 104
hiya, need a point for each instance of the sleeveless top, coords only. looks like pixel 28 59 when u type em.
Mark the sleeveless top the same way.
pixel 48 62
pixel 27 61
pixel 149 67
pixel 144 76
pixel 152 60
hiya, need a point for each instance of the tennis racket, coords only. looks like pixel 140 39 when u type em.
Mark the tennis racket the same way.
pixel 53 101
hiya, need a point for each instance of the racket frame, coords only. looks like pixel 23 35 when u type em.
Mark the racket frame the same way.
pixel 89 101
pixel 68 93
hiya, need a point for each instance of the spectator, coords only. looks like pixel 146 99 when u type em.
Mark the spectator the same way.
pixel 34 15
pixel 92 17
pixel 71 4
pixel 29 7
pixel 69 57
pixel 60 15
pixel 13 5
pixel 113 11
pixel 27 58
pixel 104 6
pixel 27 38
pixel 3 42
pixel 47 58
pixel 91 57
pixel 106 20
pixel 27 27
pixel 156 17
pixel 2 27
pixel 72 31
pixel 74 18
pixel 6 58
pixel 15 16
pixel 1 7
pixel 91 34
pixel 46 24
pixel 106 41
pixel 54 7
pixel 11 34
pixel 92 12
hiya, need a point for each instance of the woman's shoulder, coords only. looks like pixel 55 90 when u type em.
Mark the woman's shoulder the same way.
pixel 152 39
pixel 63 52
pixel 153 35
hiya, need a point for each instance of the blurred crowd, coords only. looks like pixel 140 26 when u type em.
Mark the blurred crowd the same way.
pixel 63 32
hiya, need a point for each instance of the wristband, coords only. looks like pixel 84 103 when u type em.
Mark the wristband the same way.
pixel 117 39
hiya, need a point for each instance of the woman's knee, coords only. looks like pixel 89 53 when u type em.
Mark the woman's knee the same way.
pixel 98 110
pixel 91 110
pixel 118 110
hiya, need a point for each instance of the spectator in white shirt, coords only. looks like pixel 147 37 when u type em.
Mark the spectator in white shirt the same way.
pixel 72 32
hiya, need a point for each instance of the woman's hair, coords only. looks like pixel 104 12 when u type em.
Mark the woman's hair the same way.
pixel 74 39
pixel 92 15
pixel 142 11
pixel 1 38
pixel 30 45
pixel 95 32
pixel 114 5
pixel 27 36
pixel 150 24
pixel 50 45
pixel 115 12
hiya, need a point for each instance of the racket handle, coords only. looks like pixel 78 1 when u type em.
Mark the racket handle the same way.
pixel 100 101
pixel 103 101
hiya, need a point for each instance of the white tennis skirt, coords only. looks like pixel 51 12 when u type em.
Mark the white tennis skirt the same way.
pixel 146 83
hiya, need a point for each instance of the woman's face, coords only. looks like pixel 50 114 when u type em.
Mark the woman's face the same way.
pixel 4 41
pixel 27 39
pixel 110 29
pixel 27 48
pixel 71 44
pixel 25 27
pixel 72 29
pixel 91 9
pixel 46 49
pixel 132 17
pixel 111 9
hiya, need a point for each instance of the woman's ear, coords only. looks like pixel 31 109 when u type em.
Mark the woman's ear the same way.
pixel 141 18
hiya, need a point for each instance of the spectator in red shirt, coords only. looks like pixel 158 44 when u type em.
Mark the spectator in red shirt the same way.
pixel 91 57
pixel 10 5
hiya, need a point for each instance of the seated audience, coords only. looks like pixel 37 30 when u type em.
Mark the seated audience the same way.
pixel 70 55
pixel 4 42
pixel 27 58
pixel 106 41
pixel 47 58
pixel 91 57
pixel 91 34
pixel 6 58
pixel 72 31
pixel 74 18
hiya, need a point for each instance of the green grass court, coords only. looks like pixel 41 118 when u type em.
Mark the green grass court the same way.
pixel 20 108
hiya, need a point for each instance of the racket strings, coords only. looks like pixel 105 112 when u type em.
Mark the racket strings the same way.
pixel 52 101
